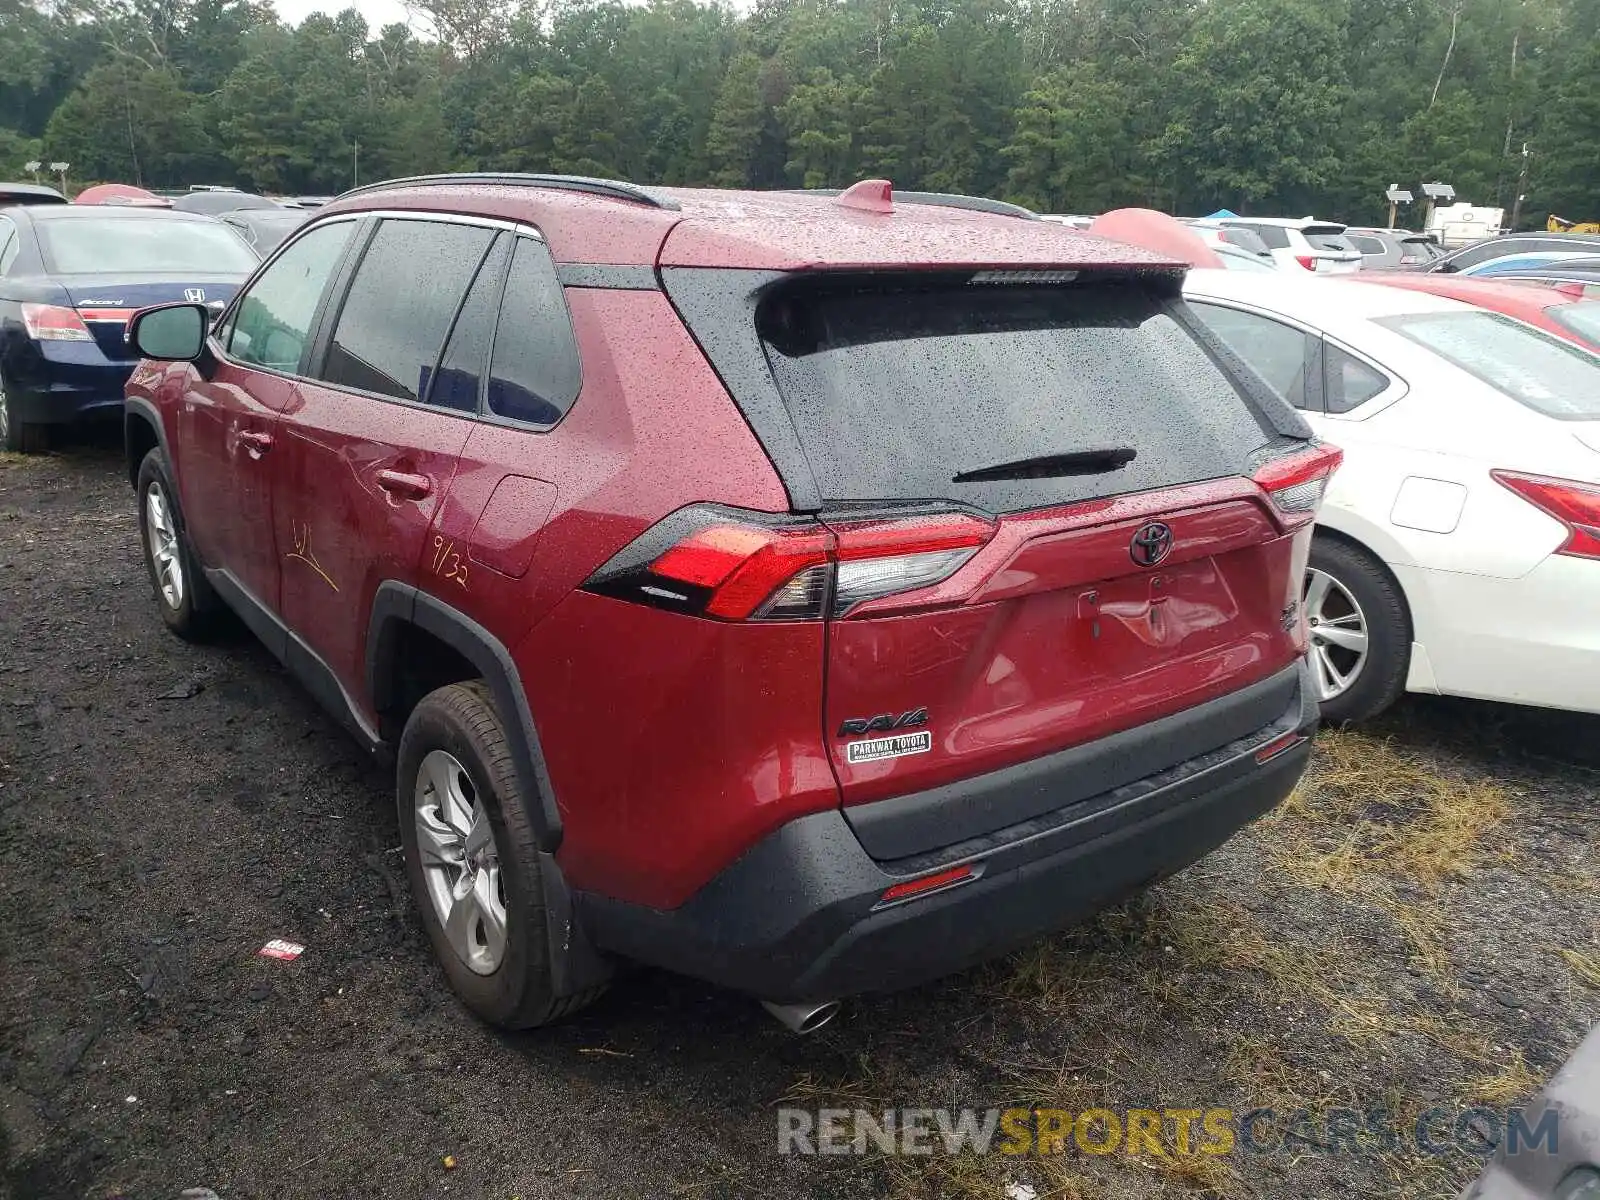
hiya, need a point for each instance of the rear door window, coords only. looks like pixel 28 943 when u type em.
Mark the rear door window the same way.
pixel 898 387
pixel 458 383
pixel 1280 354
pixel 400 304
pixel 1545 373
pixel 534 376
pixel 1276 237
pixel 10 246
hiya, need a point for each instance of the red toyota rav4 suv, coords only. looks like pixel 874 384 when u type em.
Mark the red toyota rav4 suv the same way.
pixel 811 594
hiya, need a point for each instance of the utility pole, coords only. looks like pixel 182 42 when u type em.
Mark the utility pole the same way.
pixel 1522 188
pixel 355 165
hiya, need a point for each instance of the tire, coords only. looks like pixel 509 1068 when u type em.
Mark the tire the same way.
pixel 1357 593
pixel 454 739
pixel 20 437
pixel 190 608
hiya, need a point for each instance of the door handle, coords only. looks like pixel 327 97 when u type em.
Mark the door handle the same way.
pixel 398 483
pixel 255 442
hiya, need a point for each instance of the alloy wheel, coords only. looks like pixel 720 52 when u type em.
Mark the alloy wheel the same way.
pixel 1338 634
pixel 460 861
pixel 161 532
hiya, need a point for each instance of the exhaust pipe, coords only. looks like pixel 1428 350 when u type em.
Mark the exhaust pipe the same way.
pixel 803 1018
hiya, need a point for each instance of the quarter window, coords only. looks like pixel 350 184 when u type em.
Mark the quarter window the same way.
pixel 400 304
pixel 272 320
pixel 534 375
pixel 1349 382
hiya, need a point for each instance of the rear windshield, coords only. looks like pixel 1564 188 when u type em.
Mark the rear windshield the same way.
pixel 1545 373
pixel 1583 318
pixel 1327 237
pixel 1424 248
pixel 153 245
pixel 896 389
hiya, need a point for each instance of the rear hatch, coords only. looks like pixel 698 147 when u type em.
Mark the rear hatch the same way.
pixel 1046 530
pixel 105 302
pixel 1333 251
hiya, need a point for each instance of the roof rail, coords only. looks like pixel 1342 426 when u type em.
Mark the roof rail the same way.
pixel 983 204
pixel 611 189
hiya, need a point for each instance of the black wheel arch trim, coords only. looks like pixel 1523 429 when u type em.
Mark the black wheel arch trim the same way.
pixel 137 408
pixel 396 605
pixel 575 964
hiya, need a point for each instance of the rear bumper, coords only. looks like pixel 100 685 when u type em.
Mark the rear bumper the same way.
pixel 1530 640
pixel 71 381
pixel 799 916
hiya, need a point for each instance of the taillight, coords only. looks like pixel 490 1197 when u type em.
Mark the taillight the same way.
pixel 743 566
pixel 52 323
pixel 1308 261
pixel 1296 483
pixel 883 558
pixel 1575 505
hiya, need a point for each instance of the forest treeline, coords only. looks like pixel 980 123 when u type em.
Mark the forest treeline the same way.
pixel 1266 106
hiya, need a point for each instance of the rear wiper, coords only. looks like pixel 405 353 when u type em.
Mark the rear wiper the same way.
pixel 1074 462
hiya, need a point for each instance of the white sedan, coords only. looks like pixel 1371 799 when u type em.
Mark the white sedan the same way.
pixel 1458 549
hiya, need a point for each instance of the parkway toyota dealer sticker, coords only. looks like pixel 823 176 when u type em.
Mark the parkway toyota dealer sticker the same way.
pixel 890 747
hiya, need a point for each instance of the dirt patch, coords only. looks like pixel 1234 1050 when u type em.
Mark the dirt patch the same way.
pixel 1416 930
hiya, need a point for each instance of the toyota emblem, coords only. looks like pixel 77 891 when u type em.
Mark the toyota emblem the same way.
pixel 194 295
pixel 1151 544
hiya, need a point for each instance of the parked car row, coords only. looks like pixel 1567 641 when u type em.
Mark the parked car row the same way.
pixel 72 274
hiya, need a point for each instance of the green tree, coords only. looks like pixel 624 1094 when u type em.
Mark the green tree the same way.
pixel 133 124
pixel 819 119
pixel 737 123
pixel 1073 149
pixel 1256 97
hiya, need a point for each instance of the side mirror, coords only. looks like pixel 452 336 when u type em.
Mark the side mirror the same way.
pixel 171 332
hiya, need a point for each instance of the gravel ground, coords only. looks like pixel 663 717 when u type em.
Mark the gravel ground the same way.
pixel 1419 928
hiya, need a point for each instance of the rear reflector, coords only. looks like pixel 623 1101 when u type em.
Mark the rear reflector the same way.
pixel 737 566
pixel 1278 746
pixel 1296 483
pixel 1575 505
pixel 928 883
pixel 52 323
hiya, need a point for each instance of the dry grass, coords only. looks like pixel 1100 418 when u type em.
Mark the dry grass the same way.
pixel 1367 808
pixel 1376 846
pixel 1513 1083
pixel 1585 966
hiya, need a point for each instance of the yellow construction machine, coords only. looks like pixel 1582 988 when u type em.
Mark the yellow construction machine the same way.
pixel 1561 225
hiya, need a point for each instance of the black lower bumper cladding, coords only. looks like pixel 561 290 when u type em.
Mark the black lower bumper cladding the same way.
pixel 800 915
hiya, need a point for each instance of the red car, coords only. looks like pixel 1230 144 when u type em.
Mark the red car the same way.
pixel 814 595
pixel 1562 309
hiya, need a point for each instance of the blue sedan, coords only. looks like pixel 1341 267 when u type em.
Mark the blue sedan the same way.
pixel 70 277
